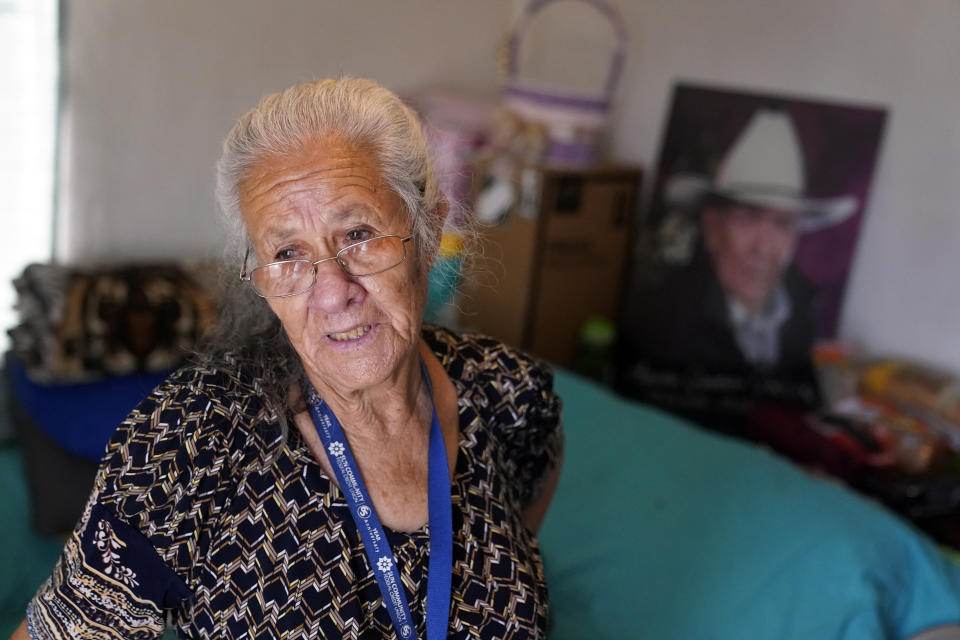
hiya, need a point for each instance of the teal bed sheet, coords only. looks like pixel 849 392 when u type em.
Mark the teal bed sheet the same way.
pixel 25 558
pixel 661 530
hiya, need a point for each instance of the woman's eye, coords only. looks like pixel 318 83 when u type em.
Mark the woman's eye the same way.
pixel 358 235
pixel 285 254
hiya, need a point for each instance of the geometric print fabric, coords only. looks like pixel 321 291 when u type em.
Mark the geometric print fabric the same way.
pixel 202 510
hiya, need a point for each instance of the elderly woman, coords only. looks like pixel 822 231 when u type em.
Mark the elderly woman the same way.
pixel 331 468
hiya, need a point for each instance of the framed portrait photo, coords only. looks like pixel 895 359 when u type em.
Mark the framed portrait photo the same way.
pixel 746 249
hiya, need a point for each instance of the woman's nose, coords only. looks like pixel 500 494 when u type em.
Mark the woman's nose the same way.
pixel 334 290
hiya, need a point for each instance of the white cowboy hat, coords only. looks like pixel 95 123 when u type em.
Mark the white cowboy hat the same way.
pixel 763 168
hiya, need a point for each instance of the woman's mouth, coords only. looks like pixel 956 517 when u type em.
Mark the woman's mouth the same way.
pixel 353 334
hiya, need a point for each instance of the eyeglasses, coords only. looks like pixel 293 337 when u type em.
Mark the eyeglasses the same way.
pixel 292 277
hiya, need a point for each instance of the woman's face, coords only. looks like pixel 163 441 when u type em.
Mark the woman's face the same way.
pixel 351 333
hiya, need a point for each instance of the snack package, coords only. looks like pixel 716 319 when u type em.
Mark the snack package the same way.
pixel 922 392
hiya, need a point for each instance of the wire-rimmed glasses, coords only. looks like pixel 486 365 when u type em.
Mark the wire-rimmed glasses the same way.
pixel 287 278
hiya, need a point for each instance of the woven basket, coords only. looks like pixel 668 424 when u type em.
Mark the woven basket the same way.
pixel 574 120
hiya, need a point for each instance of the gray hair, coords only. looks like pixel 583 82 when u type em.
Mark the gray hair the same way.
pixel 356 111
pixel 359 112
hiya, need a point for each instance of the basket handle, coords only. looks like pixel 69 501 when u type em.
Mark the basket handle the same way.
pixel 532 7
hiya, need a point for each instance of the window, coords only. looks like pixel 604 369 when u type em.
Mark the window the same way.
pixel 28 113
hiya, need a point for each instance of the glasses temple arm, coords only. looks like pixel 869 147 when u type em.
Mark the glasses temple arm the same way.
pixel 243 267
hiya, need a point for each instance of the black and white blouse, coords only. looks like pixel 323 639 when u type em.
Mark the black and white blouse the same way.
pixel 203 515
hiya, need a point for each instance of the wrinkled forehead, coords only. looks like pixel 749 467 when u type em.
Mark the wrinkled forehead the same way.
pixel 325 158
pixel 327 179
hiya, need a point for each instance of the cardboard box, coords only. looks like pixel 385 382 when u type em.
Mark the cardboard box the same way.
pixel 559 257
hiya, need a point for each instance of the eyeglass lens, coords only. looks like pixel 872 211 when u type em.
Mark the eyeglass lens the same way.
pixel 296 276
pixel 366 257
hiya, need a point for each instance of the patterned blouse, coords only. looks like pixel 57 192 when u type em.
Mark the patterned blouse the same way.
pixel 203 516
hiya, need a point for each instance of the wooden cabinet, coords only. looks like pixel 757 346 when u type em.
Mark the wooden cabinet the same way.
pixel 559 257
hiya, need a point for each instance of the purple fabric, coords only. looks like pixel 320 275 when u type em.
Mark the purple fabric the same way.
pixel 569 153
pixel 541 97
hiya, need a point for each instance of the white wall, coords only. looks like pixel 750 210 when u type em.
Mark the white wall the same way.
pixel 904 293
pixel 152 87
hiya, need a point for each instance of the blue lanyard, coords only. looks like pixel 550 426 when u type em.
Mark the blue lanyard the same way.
pixel 375 541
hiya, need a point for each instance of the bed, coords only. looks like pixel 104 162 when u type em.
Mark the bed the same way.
pixel 661 530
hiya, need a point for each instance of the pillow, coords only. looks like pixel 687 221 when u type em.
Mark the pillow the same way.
pixel 80 325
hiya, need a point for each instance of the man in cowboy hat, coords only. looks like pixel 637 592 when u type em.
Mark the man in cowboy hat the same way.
pixel 738 305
